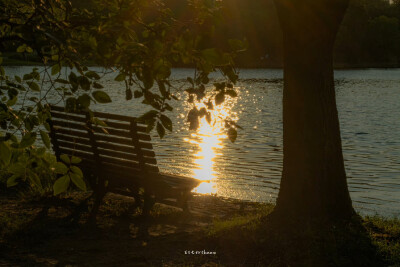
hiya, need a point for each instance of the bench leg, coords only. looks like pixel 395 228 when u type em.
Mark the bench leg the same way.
pixel 76 214
pixel 136 196
pixel 184 202
pixel 148 204
pixel 98 198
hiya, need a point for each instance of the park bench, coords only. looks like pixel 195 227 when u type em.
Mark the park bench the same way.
pixel 117 157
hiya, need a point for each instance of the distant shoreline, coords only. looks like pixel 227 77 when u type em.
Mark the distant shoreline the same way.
pixel 338 66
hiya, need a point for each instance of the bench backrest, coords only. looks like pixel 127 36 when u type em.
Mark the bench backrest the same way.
pixel 123 146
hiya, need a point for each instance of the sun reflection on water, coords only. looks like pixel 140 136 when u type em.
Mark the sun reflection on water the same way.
pixel 209 141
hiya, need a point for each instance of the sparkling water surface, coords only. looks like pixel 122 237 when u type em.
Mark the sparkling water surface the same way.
pixel 250 169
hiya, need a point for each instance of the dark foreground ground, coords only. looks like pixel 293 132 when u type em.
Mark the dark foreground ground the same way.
pixel 219 232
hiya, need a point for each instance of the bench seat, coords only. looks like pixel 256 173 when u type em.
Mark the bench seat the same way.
pixel 117 157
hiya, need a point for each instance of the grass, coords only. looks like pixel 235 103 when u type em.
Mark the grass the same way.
pixel 367 241
pixel 385 234
pixel 249 221
pixel 242 237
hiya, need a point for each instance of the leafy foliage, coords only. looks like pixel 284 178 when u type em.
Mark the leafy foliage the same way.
pixel 140 41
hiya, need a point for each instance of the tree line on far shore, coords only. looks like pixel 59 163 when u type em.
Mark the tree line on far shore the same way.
pixel 369 35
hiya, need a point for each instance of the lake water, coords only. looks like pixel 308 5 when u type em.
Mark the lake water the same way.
pixel 250 169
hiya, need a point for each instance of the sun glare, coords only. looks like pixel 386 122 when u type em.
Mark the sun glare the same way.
pixel 209 140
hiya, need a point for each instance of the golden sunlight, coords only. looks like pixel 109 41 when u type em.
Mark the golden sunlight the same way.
pixel 208 139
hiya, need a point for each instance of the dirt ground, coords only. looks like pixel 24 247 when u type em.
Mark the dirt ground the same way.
pixel 121 236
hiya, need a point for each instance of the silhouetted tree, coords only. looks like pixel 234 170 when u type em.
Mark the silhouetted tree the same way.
pixel 313 181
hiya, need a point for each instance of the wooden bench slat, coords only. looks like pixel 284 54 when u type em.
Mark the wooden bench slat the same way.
pixel 129 156
pixel 110 116
pixel 98 129
pixel 126 163
pixel 72 139
pixel 120 125
pixel 126 149
pixel 120 133
pixel 70 117
pixel 70 125
pixel 117 172
pixel 110 124
pixel 146 153
pixel 123 141
pixel 75 146
pixel 105 158
pixel 70 132
pixel 111 139
pixel 118 154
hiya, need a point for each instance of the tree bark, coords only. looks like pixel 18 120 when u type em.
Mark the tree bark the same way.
pixel 313 183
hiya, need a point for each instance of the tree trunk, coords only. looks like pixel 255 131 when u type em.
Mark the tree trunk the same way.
pixel 313 181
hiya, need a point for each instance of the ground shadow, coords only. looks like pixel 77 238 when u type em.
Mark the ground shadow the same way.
pixel 245 237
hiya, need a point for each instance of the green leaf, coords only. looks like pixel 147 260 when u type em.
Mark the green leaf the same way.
pixel 55 69
pixel 208 117
pixel 148 115
pixel 12 181
pixel 21 48
pixel 163 90
pixel 84 100
pixel 34 86
pixel 137 94
pixel 231 73
pixel 78 181
pixel 18 79
pixel 61 185
pixel 160 130
pixel 60 168
pixel 97 121
pixel 34 179
pixel 231 93
pixel 166 122
pixel 11 102
pixel 77 171
pixel 84 83
pixel 237 45
pixel 27 140
pixel 70 104
pixel 5 153
pixel 41 151
pixel 92 75
pixel 120 77
pixel 96 85
pixel 45 139
pixel 62 81
pixel 101 97
pixel 232 134
pixel 75 160
pixel 212 56
pixel 73 79
pixel 147 77
pixel 65 158
pixel 219 98
pixel 28 76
